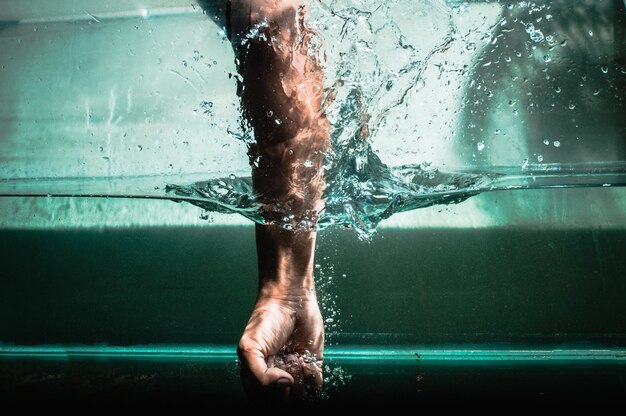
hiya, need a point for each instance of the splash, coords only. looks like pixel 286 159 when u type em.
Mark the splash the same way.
pixel 361 190
pixel 379 60
pixel 355 198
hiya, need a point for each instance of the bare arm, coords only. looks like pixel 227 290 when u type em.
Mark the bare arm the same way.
pixel 282 92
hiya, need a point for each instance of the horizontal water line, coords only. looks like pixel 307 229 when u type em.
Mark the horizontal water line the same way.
pixel 353 353
pixel 502 178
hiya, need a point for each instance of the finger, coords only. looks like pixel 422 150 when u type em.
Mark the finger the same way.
pixel 313 374
pixel 253 360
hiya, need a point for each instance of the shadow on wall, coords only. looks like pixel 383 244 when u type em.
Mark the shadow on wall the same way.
pixel 553 75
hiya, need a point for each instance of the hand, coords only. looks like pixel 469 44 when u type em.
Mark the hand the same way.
pixel 281 350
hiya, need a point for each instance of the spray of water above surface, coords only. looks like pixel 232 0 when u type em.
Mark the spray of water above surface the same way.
pixel 372 68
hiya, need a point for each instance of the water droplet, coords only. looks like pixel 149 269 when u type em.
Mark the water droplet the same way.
pixel 539 158
pixel 557 89
pixel 591 33
pixel 159 61
pixel 278 122
pixel 480 146
pixel 232 176
pixel 547 58
pixel 525 164
pixel 196 55
pixel 596 92
pixel 184 63
pixel 420 84
pixel 329 320
pixel 139 147
pixel 145 12
pixel 571 106
pixel 536 36
pixel 546 142
pixel 471 46
pixel 605 69
pixel 556 143
pixel 308 163
pixel 269 114
pixel 497 131
pixel 100 149
pixel 207 106
pixel 507 59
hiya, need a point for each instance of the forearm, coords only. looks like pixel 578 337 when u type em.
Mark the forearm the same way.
pixel 282 92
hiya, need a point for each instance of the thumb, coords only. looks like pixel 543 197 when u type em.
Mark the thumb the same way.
pixel 253 360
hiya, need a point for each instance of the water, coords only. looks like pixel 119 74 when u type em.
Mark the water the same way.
pixel 432 103
pixel 425 96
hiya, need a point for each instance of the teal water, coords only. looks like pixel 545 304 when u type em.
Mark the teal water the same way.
pixel 525 96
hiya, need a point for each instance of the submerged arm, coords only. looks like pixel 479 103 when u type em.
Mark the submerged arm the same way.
pixel 282 92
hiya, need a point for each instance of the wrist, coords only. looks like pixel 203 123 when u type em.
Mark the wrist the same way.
pixel 285 260
pixel 286 292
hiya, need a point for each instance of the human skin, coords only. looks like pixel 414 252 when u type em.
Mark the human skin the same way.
pixel 282 90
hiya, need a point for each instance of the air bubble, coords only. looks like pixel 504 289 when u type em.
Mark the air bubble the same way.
pixel 605 69
pixel 139 148
pixel 480 146
pixel 269 114
pixel 536 36
pixel 539 158
pixel 207 107
pixel 556 143
pixel 308 163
